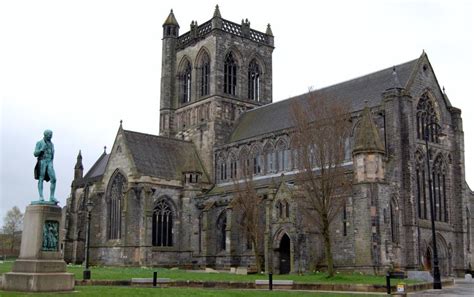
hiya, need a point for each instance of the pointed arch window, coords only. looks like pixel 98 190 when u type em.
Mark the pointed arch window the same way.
pixel 222 231
pixel 204 75
pixel 230 74
pixel 185 83
pixel 162 226
pixel 114 206
pixel 425 114
pixel 439 190
pixel 269 158
pixel 254 81
pixel 421 193
pixel 394 222
pixel 256 161
pixel 283 157
pixel 233 167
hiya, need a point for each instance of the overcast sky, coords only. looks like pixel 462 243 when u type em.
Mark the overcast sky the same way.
pixel 79 67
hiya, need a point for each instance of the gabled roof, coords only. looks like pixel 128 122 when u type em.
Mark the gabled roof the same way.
pixel 354 93
pixel 163 157
pixel 98 169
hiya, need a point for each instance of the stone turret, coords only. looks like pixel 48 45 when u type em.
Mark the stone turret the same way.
pixel 78 168
pixel 168 67
pixel 368 150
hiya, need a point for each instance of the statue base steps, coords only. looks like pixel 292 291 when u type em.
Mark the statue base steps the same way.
pixel 40 266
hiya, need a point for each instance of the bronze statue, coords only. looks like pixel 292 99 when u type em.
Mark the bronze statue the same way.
pixel 44 170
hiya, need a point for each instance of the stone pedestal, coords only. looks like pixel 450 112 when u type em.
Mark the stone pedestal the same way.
pixel 40 266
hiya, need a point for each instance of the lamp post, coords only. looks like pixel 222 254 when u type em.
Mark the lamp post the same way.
pixel 87 273
pixel 436 273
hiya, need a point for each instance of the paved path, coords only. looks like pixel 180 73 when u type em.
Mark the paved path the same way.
pixel 461 288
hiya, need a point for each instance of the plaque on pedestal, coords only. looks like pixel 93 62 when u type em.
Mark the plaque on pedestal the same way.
pixel 40 266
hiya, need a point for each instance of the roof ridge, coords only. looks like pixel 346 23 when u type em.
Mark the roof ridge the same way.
pixel 159 136
pixel 330 86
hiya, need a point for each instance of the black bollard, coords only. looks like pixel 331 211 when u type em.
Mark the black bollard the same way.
pixel 155 275
pixel 270 281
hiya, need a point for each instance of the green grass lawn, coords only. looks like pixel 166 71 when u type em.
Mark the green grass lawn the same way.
pixel 126 273
pixel 173 292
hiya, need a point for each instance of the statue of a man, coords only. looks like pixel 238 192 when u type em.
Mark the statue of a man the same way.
pixel 44 170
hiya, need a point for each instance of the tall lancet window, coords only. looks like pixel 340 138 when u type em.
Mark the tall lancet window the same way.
pixel 254 81
pixel 114 206
pixel 230 74
pixel 221 231
pixel 439 190
pixel 425 114
pixel 204 72
pixel 162 226
pixel 185 82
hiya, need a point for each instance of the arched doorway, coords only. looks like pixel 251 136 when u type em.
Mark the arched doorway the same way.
pixel 427 260
pixel 285 265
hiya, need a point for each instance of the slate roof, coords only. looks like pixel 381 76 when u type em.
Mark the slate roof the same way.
pixel 277 116
pixel 163 157
pixel 98 169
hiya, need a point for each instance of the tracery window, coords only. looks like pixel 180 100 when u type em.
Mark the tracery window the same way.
pixel 221 231
pixel 230 74
pixel 162 226
pixel 254 81
pixel 114 206
pixel 204 75
pixel 425 114
pixel 185 83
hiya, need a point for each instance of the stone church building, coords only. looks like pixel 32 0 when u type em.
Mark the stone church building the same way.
pixel 166 200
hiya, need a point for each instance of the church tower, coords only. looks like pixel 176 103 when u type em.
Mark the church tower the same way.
pixel 210 75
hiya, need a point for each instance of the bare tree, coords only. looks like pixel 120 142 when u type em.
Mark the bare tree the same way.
pixel 12 225
pixel 322 184
pixel 248 203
